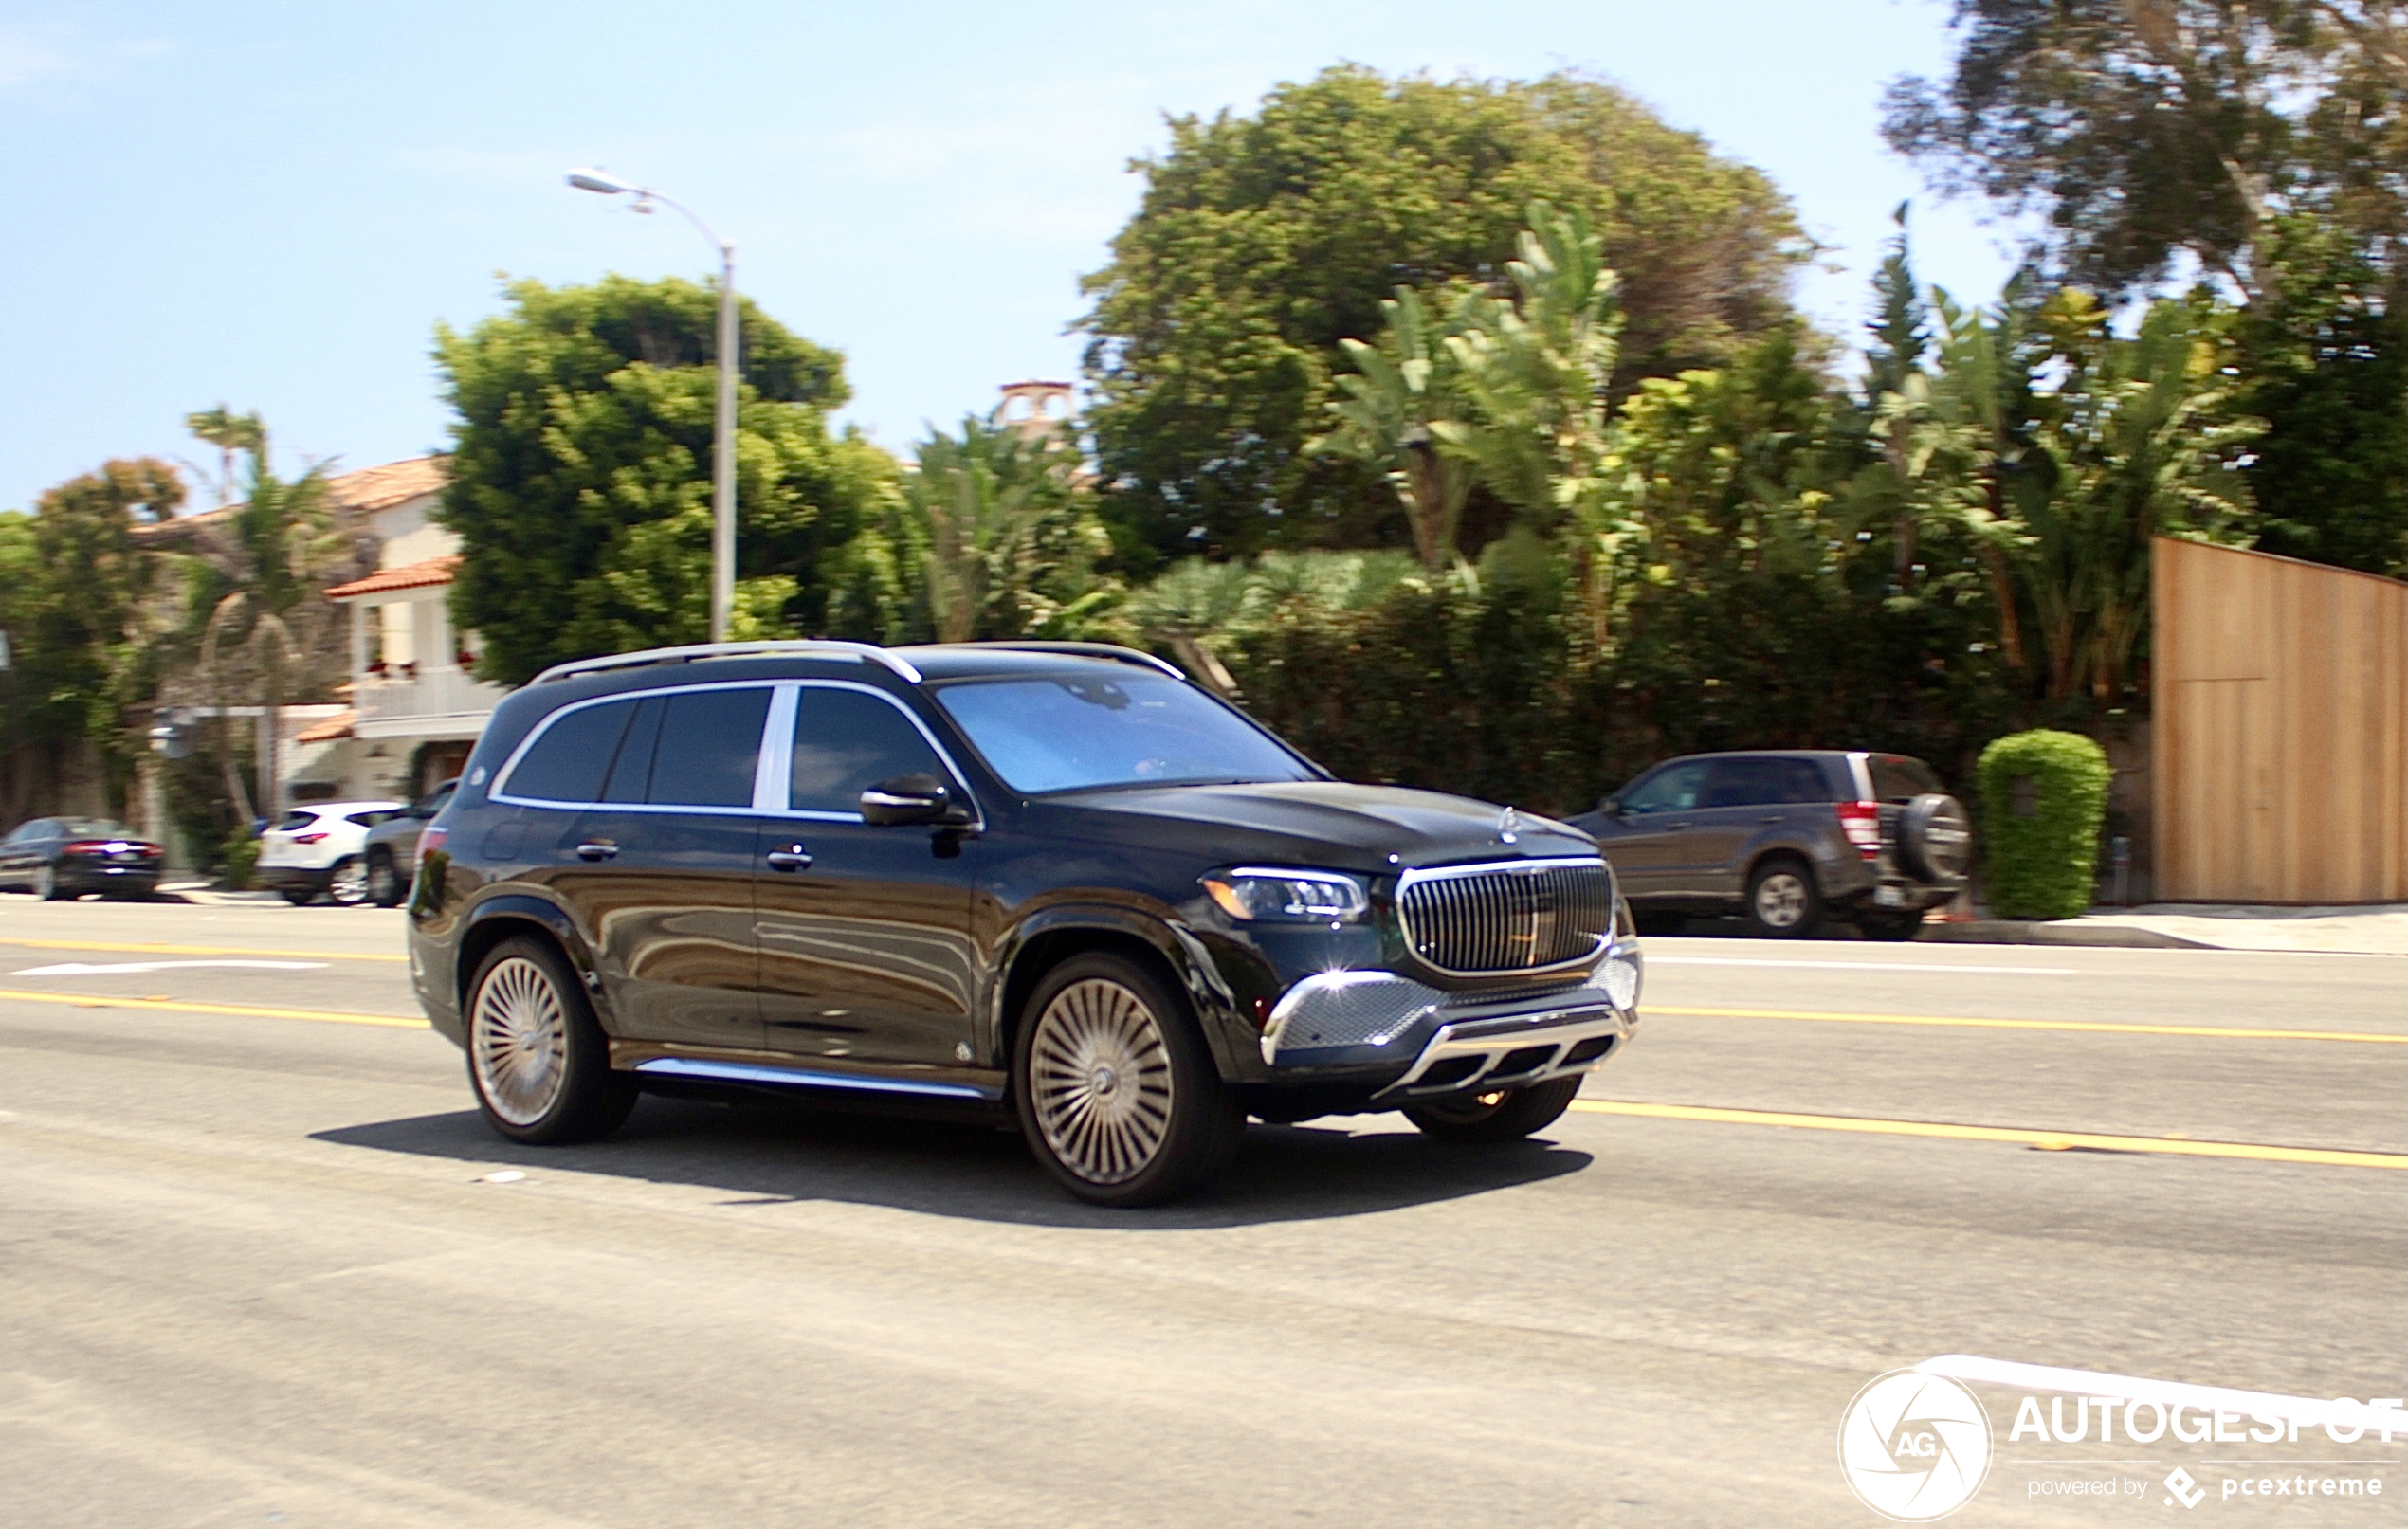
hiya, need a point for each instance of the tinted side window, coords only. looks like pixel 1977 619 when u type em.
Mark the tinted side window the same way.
pixel 572 757
pixel 847 741
pixel 1745 782
pixel 631 776
pixel 1674 788
pixel 294 822
pixel 368 820
pixel 710 747
pixel 1802 780
pixel 1897 779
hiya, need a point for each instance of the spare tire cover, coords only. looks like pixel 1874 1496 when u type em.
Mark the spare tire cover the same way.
pixel 1935 837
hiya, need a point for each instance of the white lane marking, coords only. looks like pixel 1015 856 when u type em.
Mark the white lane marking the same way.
pixel 2309 1410
pixel 81 969
pixel 1859 966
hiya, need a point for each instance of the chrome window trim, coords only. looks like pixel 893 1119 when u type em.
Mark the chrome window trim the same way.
pixel 786 749
pixel 509 767
pixel 1491 868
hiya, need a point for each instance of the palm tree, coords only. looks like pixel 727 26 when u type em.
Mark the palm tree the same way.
pixel 1400 388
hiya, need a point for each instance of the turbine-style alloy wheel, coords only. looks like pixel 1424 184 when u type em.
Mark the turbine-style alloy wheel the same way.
pixel 1100 1075
pixel 518 1039
pixel 1117 1093
pixel 540 1064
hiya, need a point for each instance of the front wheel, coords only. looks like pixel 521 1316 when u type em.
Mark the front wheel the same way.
pixel 1782 899
pixel 385 886
pixel 539 1061
pixel 1117 1095
pixel 1504 1115
pixel 347 883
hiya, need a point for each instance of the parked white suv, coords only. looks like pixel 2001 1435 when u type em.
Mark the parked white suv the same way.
pixel 317 849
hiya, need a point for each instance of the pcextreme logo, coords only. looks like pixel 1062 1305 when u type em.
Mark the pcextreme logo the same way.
pixel 1914 1446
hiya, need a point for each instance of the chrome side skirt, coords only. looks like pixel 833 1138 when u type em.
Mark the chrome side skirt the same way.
pixel 706 1069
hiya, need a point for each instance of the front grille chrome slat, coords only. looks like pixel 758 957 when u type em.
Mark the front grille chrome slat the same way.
pixel 1511 915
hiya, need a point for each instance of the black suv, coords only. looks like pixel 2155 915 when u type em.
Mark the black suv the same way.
pixel 1054 881
pixel 1783 837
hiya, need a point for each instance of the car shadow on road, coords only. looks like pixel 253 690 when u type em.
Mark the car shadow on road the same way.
pixel 773 1152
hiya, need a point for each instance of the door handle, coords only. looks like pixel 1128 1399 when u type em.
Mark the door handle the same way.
pixel 1772 817
pixel 792 858
pixel 598 849
pixel 1671 825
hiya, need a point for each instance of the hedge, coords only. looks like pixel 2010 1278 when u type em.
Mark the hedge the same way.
pixel 2043 798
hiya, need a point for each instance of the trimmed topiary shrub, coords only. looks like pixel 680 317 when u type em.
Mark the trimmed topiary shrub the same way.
pixel 2043 798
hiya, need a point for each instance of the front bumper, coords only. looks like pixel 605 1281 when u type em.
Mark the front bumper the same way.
pixel 1448 1042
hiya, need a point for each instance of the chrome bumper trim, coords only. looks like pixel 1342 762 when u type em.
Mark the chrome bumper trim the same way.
pixel 1492 1043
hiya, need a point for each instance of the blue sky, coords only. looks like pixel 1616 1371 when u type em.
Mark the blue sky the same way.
pixel 271 205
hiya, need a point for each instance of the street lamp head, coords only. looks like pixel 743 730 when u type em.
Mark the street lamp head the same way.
pixel 599 180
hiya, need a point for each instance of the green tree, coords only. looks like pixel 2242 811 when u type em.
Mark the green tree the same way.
pixel 1265 241
pixel 994 535
pixel 2143 128
pixel 580 479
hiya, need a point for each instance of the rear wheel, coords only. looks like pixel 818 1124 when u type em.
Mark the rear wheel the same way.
pixel 540 1062
pixel 1892 925
pixel 1117 1095
pixel 1504 1114
pixel 45 885
pixel 1782 899
pixel 347 883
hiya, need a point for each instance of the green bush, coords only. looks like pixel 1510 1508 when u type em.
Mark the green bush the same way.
pixel 2043 798
pixel 236 858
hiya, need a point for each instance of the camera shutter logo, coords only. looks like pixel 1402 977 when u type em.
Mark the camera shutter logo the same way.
pixel 1913 1447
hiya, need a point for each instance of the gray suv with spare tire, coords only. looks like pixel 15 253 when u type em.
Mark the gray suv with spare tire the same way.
pixel 1786 838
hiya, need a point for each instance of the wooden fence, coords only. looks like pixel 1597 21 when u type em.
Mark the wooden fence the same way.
pixel 2279 695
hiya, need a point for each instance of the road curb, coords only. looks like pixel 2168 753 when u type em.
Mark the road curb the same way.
pixel 2041 932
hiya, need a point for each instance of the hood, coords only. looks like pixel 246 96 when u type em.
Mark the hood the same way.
pixel 1322 822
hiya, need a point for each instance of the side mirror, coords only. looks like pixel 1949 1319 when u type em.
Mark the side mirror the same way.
pixel 1610 805
pixel 919 797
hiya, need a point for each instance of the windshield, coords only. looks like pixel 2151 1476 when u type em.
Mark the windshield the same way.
pixel 1075 731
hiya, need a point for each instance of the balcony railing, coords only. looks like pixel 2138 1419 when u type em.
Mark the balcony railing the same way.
pixel 447 694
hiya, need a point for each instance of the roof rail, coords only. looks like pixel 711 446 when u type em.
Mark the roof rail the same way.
pixel 1110 650
pixel 800 646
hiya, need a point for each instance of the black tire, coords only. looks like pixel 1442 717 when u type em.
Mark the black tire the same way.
pixel 1892 925
pixel 47 887
pixel 1117 1091
pixel 1784 902
pixel 385 887
pixel 538 1059
pixel 1507 1115
pixel 300 897
pixel 347 883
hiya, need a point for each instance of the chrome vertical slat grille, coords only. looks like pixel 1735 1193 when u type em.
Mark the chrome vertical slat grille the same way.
pixel 1515 915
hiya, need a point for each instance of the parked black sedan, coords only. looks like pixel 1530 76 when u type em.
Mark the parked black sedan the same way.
pixel 55 858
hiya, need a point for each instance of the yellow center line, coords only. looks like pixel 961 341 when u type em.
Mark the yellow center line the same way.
pixel 2221 1032
pixel 193 950
pixel 329 1016
pixel 2046 1141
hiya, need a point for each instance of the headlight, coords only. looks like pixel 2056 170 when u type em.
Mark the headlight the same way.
pixel 1253 895
pixel 1622 973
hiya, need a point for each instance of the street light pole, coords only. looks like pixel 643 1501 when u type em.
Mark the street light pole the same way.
pixel 724 423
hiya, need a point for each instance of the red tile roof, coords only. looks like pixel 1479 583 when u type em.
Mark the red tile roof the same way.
pixel 366 491
pixel 407 576
pixel 336 726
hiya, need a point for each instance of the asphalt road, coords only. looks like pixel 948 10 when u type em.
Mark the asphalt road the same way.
pixel 254 1269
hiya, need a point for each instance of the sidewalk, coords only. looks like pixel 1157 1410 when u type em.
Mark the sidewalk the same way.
pixel 2378 929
